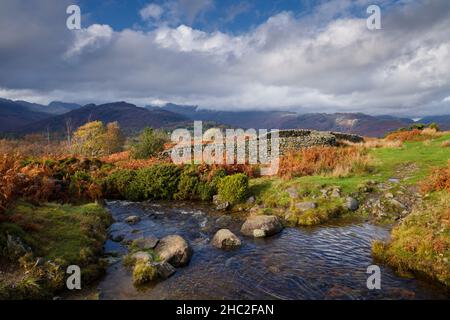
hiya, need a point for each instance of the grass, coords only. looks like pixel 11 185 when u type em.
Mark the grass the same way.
pixel 421 243
pixel 410 161
pixel 60 234
pixel 388 163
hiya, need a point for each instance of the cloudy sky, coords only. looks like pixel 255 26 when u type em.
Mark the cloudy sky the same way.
pixel 300 55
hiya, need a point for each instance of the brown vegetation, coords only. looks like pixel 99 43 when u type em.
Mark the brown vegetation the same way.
pixel 324 160
pixel 438 180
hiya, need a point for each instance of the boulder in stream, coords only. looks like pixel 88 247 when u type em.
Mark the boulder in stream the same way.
pixel 132 219
pixel 174 250
pixel 225 239
pixel 149 242
pixel 261 226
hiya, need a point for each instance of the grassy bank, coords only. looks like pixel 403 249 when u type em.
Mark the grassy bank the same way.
pixel 39 242
pixel 410 162
pixel 421 243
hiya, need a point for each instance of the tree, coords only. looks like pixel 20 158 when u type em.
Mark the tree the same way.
pixel 150 142
pixel 94 140
pixel 434 126
pixel 113 138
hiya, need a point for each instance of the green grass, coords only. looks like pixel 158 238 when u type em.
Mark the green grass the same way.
pixel 411 163
pixel 63 234
pixel 420 244
pixel 386 161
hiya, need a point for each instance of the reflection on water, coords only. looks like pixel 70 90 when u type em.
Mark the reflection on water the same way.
pixel 327 262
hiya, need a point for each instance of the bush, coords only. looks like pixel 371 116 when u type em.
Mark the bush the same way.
pixel 150 143
pixel 233 189
pixel 157 182
pixel 188 185
pixel 144 272
pixel 116 185
pixel 434 126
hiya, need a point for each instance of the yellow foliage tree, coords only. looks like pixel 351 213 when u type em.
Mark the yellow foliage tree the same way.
pixel 94 139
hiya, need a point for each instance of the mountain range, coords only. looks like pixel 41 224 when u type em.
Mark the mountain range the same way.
pixel 22 117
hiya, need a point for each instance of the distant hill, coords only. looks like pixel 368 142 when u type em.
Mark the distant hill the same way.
pixel 14 116
pixel 443 121
pixel 53 108
pixel 357 123
pixel 130 117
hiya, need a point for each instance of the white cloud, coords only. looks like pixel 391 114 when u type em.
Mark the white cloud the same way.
pixel 151 11
pixel 336 65
pixel 95 36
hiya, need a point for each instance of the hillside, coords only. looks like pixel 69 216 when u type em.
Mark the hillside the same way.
pixel 14 116
pixel 130 118
pixel 358 123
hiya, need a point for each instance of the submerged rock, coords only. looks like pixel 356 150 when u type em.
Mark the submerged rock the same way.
pixel 225 239
pixel 149 242
pixel 164 269
pixel 132 219
pixel 174 250
pixel 264 226
pixel 223 221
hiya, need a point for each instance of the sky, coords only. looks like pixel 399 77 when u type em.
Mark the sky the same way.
pixel 297 55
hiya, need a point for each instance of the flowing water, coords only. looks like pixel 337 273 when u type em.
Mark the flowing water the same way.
pixel 326 262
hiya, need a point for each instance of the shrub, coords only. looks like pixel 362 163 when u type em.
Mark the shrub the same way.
pixel 116 185
pixel 157 182
pixel 434 126
pixel 188 185
pixel 234 188
pixel 150 143
pixel 144 272
pixel 438 180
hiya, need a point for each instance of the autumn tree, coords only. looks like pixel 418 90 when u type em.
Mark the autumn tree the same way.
pixel 94 139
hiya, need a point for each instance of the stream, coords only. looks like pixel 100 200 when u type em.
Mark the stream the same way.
pixel 325 262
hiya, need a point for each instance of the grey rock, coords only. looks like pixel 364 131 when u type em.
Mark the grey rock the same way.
pixel 223 206
pixel 132 219
pixel 269 224
pixel 251 200
pixel 397 203
pixel 142 255
pixel 225 239
pixel 164 269
pixel 336 193
pixel 149 242
pixel 351 204
pixel 259 233
pixel 174 250
pixel 293 194
pixel 223 221
pixel 304 206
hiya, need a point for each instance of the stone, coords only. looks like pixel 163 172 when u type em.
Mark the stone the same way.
pixel 225 239
pixel 174 250
pixel 132 219
pixel 389 195
pixel 351 204
pixel 304 206
pixel 164 269
pixel 269 224
pixel 259 233
pixel 336 193
pixel 223 206
pixel 223 221
pixel 149 242
pixel 251 200
pixel 397 203
pixel 292 192
pixel 394 180
pixel 216 200
pixel 142 256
